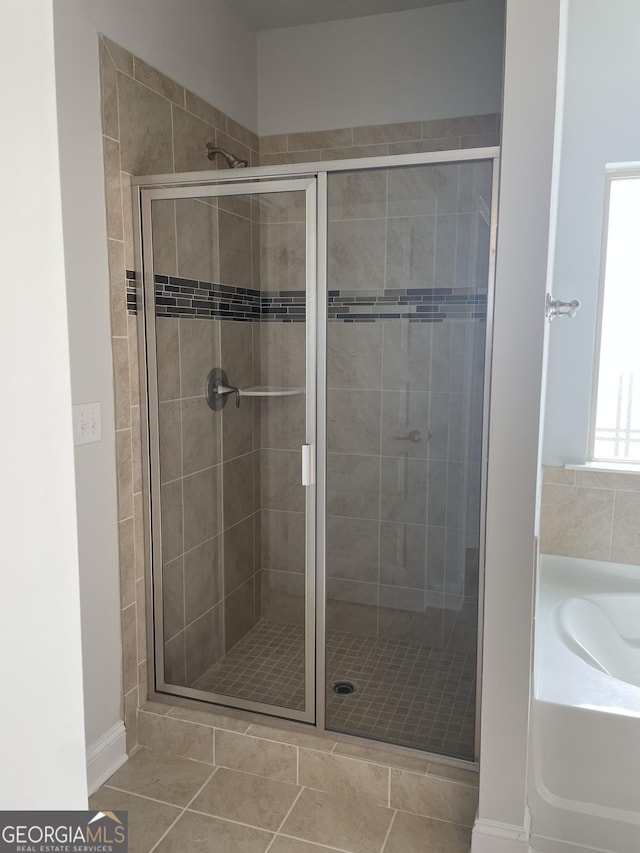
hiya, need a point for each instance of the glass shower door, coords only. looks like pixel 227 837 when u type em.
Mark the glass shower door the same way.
pixel 229 280
pixel 407 279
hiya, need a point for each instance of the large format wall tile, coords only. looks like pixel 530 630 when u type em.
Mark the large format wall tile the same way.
pixel 283 596
pixel 352 548
pixel 404 490
pixel 283 355
pixel 357 195
pixel 283 540
pixel 405 424
pixel 238 489
pixel 190 137
pixel 283 256
pixel 235 250
pixel 145 129
pixel 203 643
pixel 356 254
pixel 354 355
pixel 238 554
pixel 410 252
pixel 281 486
pixel 201 435
pixel 163 227
pixel 423 190
pixel 202 578
pixel 353 485
pixel 197 240
pixel 403 554
pixel 202 506
pixel 199 353
pixel 353 421
pixel 576 521
pixel 238 614
pixel 407 356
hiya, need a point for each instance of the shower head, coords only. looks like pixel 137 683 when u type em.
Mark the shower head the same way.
pixel 233 162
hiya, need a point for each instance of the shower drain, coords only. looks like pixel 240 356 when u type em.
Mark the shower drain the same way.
pixel 344 688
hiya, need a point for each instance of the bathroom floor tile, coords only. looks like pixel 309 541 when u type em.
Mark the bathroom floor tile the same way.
pixel 345 823
pixel 413 834
pixel 246 798
pixel 282 844
pixel 162 777
pixel 195 833
pixel 148 819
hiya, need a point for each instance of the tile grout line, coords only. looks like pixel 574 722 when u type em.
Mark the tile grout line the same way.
pixel 386 838
pixel 284 820
pixel 198 792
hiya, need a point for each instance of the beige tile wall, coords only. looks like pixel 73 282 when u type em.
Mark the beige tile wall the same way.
pixel 591 514
pixel 400 138
pixel 401 529
pixel 150 124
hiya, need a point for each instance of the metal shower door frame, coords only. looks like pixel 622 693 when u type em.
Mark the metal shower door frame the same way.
pixel 319 171
pixel 143 199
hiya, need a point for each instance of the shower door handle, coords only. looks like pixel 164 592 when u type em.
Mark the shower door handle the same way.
pixel 308 473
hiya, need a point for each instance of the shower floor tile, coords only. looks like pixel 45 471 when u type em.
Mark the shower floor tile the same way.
pixel 416 696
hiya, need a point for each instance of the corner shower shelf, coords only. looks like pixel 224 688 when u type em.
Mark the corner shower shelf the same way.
pixel 268 391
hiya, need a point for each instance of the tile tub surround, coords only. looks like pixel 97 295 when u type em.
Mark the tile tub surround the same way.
pixel 150 124
pixel 591 514
pixel 292 784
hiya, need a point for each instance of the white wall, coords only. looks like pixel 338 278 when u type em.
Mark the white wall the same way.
pixel 428 63
pixel 602 105
pixel 191 41
pixel 41 715
pixel 533 53
pixel 202 44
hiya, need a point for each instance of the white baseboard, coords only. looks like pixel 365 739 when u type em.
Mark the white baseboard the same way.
pixel 105 756
pixel 490 836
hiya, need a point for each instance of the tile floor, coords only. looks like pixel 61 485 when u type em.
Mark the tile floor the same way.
pixel 180 806
pixel 416 696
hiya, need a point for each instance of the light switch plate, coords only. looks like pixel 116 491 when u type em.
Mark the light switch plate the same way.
pixel 87 423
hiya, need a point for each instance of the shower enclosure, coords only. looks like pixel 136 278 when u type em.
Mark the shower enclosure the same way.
pixel 313 348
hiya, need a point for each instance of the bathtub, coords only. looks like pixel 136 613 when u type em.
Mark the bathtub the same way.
pixel 585 715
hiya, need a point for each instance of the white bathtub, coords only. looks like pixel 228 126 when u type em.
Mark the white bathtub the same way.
pixel 585 724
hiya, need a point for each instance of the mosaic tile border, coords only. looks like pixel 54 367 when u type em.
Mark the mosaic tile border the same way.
pixel 183 297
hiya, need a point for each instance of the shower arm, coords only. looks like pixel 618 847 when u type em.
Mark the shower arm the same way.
pixel 233 162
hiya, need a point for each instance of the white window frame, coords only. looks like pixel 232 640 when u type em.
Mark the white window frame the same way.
pixel 614 172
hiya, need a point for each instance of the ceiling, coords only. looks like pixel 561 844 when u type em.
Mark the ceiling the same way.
pixel 272 14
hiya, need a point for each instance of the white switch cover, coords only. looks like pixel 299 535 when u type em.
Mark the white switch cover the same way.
pixel 87 423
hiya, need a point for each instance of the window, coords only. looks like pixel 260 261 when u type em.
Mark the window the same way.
pixel 615 427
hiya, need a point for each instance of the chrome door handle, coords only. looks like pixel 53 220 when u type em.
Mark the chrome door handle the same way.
pixel 308 474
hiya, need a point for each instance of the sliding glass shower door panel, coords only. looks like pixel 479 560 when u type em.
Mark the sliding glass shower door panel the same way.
pixel 408 269
pixel 229 296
